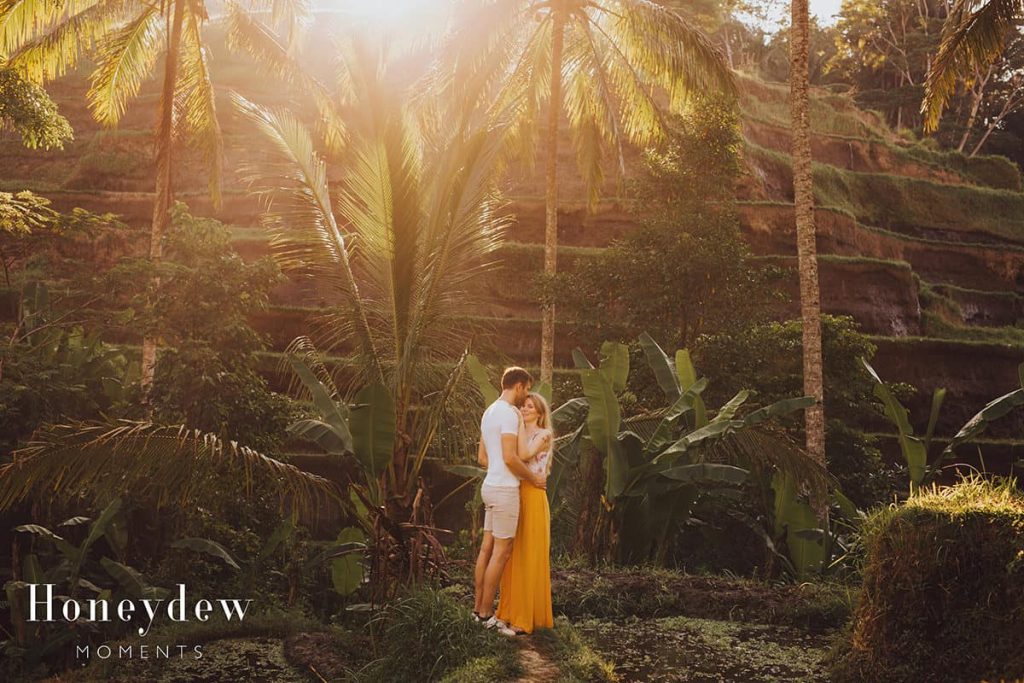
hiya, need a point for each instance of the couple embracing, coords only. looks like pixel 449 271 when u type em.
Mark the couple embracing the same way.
pixel 516 442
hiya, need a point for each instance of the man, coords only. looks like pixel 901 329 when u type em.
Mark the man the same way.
pixel 498 452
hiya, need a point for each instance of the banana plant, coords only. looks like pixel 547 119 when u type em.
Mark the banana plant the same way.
pixel 658 466
pixel 71 568
pixel 914 449
pixel 992 411
pixel 364 430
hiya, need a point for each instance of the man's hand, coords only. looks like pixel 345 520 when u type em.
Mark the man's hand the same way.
pixel 540 481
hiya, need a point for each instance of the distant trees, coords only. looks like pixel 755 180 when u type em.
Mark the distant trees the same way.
pixel 983 47
pixel 898 52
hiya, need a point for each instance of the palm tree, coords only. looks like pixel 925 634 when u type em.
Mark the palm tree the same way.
pixel 973 37
pixel 125 39
pixel 807 251
pixel 393 248
pixel 616 62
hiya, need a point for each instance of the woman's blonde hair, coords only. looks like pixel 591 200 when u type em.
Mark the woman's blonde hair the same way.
pixel 543 410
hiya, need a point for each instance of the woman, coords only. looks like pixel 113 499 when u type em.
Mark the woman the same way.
pixel 526 583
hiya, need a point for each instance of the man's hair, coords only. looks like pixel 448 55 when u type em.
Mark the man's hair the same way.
pixel 513 376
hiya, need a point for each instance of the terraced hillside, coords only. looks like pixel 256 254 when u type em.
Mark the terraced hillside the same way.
pixel 924 248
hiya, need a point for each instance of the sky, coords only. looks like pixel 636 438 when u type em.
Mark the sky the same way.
pixel 825 10
pixel 416 12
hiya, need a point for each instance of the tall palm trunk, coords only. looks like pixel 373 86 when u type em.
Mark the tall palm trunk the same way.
pixel 164 191
pixel 547 338
pixel 807 256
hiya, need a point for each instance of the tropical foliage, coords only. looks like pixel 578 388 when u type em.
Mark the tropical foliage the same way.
pixel 26 109
pixel 654 468
pixel 974 36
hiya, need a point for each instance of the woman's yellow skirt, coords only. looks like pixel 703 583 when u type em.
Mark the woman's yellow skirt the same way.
pixel 525 602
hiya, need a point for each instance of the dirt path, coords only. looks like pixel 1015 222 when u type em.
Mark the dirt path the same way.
pixel 535 663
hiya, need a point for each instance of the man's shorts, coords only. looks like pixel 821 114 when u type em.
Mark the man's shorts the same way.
pixel 501 510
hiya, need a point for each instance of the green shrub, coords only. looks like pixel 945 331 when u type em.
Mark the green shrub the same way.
pixel 943 589
pixel 428 635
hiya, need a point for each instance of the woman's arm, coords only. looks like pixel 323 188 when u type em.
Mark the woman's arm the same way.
pixel 540 445
pixel 523 450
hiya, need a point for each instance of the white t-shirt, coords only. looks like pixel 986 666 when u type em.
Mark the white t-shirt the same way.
pixel 499 418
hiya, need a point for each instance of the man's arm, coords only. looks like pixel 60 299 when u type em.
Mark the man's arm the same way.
pixel 481 453
pixel 509 453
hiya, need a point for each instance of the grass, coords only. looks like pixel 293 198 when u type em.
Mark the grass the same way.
pixel 937 326
pixel 428 635
pixel 842 259
pixel 993 171
pixel 912 340
pixel 648 592
pixel 952 290
pixel 575 658
pixel 908 204
pixel 771 102
pixel 902 236
pixel 943 591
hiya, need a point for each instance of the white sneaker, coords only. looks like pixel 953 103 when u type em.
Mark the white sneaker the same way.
pixel 506 631
pixel 495 622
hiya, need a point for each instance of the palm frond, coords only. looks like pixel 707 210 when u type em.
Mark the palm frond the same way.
pixel 125 58
pixel 21 21
pixel 973 37
pixel 167 464
pixel 197 101
pixel 249 35
pixel 764 448
pixel 669 50
pixel 381 199
pixel 292 181
pixel 591 106
pixel 55 48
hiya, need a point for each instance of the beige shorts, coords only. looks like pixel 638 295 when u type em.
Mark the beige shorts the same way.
pixel 501 510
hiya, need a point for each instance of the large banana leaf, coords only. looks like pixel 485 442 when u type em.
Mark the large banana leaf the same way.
pixel 664 369
pixel 347 569
pixel 992 411
pixel 564 459
pixel 570 414
pixel 373 429
pixel 332 431
pixel 603 421
pixel 729 410
pixel 544 389
pixel 914 452
pixel 580 360
pixel 777 409
pixel 707 471
pixel 696 437
pixel 793 518
pixel 483 383
pixel 205 545
pixel 665 431
pixel 615 364
pixel 687 375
